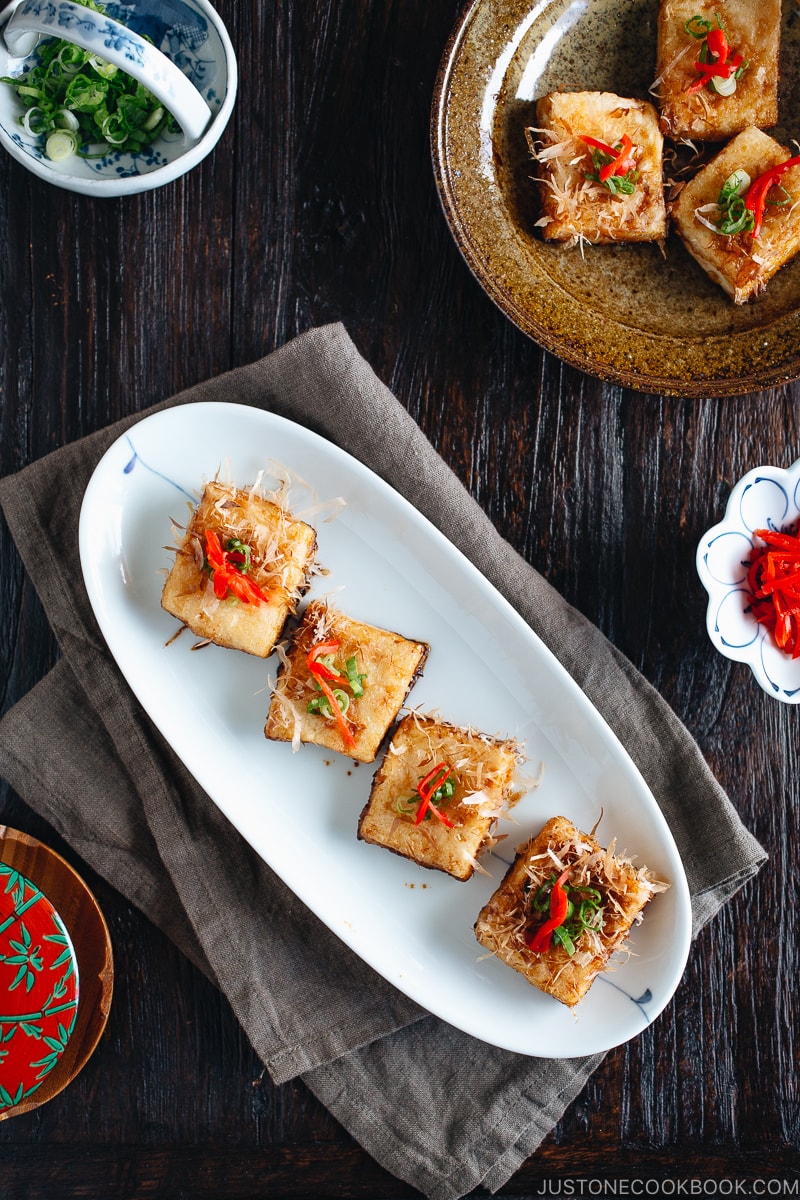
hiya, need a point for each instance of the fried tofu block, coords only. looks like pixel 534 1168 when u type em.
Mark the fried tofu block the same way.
pixel 480 782
pixel 741 264
pixel 617 893
pixel 575 206
pixel 377 669
pixel 752 30
pixel 277 554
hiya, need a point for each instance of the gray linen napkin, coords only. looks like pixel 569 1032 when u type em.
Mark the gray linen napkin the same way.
pixel 435 1107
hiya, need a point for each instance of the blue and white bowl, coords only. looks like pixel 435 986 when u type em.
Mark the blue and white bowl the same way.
pixel 765 498
pixel 179 49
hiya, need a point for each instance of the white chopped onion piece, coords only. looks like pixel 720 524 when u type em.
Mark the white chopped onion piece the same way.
pixel 724 87
pixel 61 144
pixel 66 119
pixel 737 182
pixel 30 118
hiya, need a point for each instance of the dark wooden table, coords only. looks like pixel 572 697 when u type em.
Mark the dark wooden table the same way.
pixel 318 205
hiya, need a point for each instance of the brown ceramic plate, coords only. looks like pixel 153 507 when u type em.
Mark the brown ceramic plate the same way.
pixel 628 314
pixel 88 932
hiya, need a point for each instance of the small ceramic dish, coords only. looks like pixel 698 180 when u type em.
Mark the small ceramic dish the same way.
pixel 39 987
pixel 27 862
pixel 181 52
pixel 630 314
pixel 765 498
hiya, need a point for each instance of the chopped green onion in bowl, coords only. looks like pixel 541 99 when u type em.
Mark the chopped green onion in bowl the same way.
pixel 78 103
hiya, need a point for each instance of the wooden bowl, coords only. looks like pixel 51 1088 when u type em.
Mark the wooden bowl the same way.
pixel 88 931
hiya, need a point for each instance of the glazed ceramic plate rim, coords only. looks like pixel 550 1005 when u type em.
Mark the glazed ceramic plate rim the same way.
pixel 67 1069
pixel 496 247
pixel 767 496
pixel 395 569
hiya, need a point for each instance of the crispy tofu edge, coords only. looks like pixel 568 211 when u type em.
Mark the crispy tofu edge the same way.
pixel 703 117
pixel 480 826
pixel 726 261
pixel 328 735
pixel 240 627
pixel 552 972
pixel 604 218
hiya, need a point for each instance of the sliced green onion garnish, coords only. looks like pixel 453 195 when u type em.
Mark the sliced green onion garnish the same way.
pixel 445 791
pixel 233 543
pixel 698 26
pixel 112 129
pixel 736 184
pixel 66 119
pixel 354 677
pixel 86 95
pixel 320 704
pixel 584 911
pixel 69 59
pixel 786 198
pixel 104 68
pixel 61 144
pixel 734 215
pixel 561 935
pixel 70 90
pixel 155 118
pixel 34 121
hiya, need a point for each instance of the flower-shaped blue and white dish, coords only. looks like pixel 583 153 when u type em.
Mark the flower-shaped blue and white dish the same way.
pixel 765 498
pixel 180 53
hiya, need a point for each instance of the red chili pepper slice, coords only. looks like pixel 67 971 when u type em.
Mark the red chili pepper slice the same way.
pixel 717 70
pixel 559 905
pixel 427 787
pixel 322 673
pixel 226 577
pixel 621 160
pixel 718 44
pixel 322 670
pixel 756 197
pixel 591 141
pixel 720 67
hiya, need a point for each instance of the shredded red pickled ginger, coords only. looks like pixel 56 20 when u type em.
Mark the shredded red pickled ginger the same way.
pixel 773 581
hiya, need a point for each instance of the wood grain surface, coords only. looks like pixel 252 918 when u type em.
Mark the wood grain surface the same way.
pixel 318 205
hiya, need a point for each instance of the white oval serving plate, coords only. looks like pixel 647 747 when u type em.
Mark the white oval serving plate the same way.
pixel 299 811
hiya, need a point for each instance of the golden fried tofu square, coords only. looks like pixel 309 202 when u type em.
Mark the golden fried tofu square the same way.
pixel 740 39
pixel 599 167
pixel 240 569
pixel 741 263
pixel 366 671
pixel 438 793
pixel 604 895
